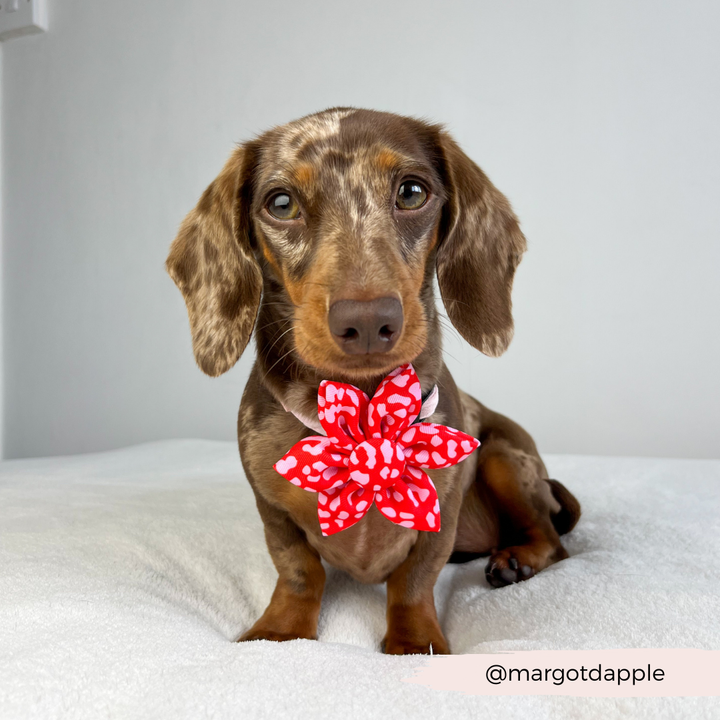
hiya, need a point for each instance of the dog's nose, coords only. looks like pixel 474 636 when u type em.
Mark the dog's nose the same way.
pixel 360 327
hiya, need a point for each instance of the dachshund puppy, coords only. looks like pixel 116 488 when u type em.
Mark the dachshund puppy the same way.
pixel 324 235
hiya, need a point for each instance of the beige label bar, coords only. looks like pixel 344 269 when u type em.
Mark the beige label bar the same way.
pixel 590 673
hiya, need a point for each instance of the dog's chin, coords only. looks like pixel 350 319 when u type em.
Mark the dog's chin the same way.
pixel 359 367
pixel 370 367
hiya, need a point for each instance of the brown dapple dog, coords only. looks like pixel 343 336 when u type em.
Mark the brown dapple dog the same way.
pixel 324 235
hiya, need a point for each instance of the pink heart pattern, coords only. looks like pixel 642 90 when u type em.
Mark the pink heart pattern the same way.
pixel 374 452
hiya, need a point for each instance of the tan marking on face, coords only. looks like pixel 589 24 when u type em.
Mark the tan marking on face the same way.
pixel 270 257
pixel 296 291
pixel 304 175
pixel 282 244
pixel 434 238
pixel 387 160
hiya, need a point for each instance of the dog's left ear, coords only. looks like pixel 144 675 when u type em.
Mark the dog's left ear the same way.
pixel 480 246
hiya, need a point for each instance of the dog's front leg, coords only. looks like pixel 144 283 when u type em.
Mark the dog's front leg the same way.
pixel 412 623
pixel 295 604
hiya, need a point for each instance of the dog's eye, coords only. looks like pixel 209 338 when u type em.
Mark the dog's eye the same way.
pixel 411 195
pixel 283 207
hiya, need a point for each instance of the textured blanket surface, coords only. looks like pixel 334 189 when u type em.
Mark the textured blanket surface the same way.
pixel 125 576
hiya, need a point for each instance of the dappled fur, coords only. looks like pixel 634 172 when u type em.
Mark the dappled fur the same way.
pixel 477 260
pixel 239 267
pixel 212 263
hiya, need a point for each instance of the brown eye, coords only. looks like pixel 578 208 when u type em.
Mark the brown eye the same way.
pixel 411 195
pixel 283 207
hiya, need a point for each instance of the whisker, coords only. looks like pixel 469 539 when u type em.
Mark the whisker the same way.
pixel 277 361
pixel 447 324
pixel 286 304
pixel 282 335
pixel 267 325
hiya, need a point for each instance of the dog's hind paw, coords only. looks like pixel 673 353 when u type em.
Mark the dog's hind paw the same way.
pixel 507 567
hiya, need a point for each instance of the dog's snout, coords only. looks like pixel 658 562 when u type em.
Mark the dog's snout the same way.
pixel 371 326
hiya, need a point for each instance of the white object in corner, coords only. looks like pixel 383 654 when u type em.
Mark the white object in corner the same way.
pixel 22 17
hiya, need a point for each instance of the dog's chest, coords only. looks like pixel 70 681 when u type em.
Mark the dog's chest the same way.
pixel 369 550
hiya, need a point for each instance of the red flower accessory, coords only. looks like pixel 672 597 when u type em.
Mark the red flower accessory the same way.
pixel 374 453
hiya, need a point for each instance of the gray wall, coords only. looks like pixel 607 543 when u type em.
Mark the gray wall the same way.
pixel 598 119
pixel 2 353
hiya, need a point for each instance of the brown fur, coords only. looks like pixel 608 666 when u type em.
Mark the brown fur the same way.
pixel 238 267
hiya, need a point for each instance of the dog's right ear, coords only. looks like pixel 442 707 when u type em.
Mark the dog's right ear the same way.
pixel 212 262
pixel 480 248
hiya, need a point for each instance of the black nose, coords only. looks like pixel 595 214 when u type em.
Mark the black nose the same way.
pixel 360 327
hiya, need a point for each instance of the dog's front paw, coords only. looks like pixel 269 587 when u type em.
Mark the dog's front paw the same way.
pixel 415 646
pixel 255 633
pixel 282 627
pixel 289 616
pixel 412 631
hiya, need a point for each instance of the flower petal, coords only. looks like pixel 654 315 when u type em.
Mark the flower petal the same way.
pixel 395 405
pixel 428 445
pixel 313 464
pixel 341 508
pixel 340 409
pixel 412 502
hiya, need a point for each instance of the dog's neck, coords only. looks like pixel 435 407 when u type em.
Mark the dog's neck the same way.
pixel 298 392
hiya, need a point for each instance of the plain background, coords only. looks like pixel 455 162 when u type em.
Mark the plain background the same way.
pixel 599 120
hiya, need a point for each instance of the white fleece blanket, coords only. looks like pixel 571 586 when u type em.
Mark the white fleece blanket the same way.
pixel 124 577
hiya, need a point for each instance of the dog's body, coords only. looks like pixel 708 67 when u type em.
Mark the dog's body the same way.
pixel 324 235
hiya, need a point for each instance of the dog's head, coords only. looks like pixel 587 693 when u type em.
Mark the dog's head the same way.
pixel 340 219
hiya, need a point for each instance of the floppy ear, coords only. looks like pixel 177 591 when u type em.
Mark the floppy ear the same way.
pixel 212 263
pixel 480 247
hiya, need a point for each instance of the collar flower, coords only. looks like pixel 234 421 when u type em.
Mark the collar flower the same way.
pixel 374 452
